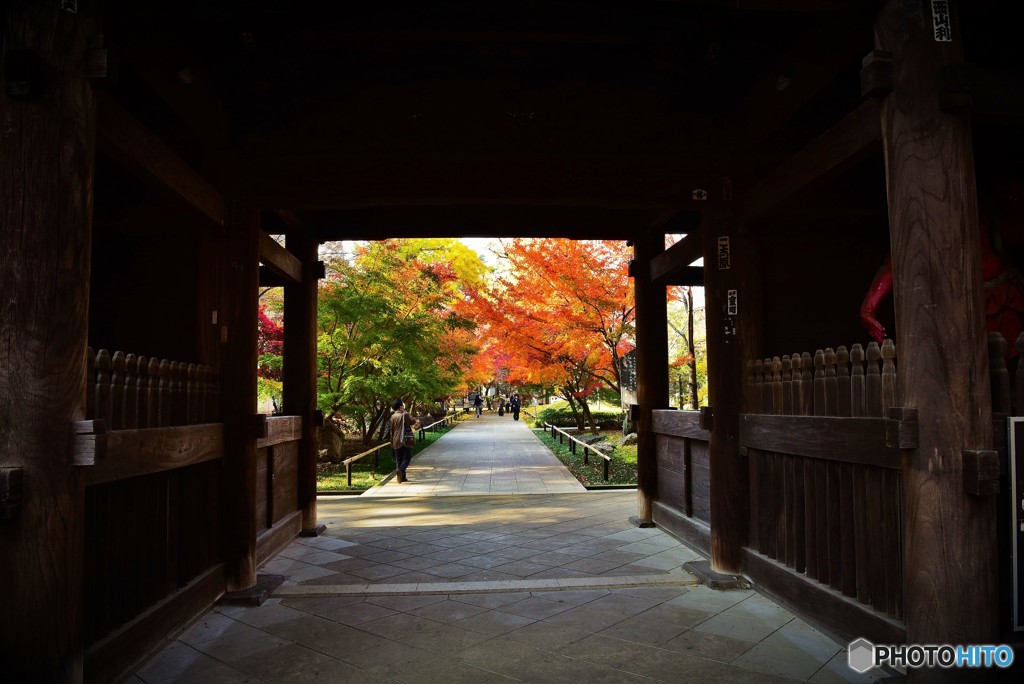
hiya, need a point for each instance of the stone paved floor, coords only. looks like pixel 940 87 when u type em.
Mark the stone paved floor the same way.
pixel 487 455
pixel 525 588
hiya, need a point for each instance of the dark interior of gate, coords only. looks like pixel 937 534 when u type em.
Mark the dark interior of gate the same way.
pixel 756 121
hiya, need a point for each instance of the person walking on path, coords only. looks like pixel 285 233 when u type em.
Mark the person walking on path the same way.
pixel 479 403
pixel 403 437
pixel 514 405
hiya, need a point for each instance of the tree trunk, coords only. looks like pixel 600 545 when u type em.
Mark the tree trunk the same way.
pixel 691 348
pixel 588 417
pixel 576 415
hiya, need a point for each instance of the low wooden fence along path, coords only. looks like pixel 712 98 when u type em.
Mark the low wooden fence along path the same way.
pixel 421 433
pixel 575 444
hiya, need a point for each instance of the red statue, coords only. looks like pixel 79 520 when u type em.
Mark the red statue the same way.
pixel 1004 286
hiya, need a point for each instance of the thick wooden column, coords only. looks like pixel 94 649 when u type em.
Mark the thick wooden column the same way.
pixel 950 539
pixel 47 145
pixel 300 372
pixel 733 310
pixel 651 367
pixel 239 358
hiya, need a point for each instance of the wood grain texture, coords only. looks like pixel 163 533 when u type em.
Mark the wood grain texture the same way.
pixel 732 339
pixel 680 424
pixel 47 149
pixel 279 260
pixel 950 536
pixel 133 453
pixel 284 480
pixel 281 429
pixel 847 440
pixel 677 258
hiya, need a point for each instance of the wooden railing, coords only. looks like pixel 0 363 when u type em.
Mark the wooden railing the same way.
pixel 421 434
pixel 823 437
pixel 130 392
pixel 575 443
pixel 151 450
pixel 349 461
pixel 854 383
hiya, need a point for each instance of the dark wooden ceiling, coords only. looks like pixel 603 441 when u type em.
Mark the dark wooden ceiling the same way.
pixel 487 118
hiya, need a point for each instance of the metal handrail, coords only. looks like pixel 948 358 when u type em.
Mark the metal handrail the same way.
pixel 573 442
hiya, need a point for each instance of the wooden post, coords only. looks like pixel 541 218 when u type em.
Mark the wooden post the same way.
pixel 239 358
pixel 733 310
pixel 47 138
pixel 300 329
pixel 651 368
pixel 949 535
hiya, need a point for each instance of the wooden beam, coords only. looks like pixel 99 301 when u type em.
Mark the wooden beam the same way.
pixel 840 146
pixel 680 424
pixel 499 220
pixel 816 602
pixel 141 151
pixel 279 260
pixel 847 440
pixel 131 453
pixel 677 258
pixel 691 276
pixel 274 540
pixel 281 429
pixel 692 531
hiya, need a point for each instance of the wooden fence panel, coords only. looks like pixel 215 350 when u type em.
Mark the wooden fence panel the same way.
pixel 131 392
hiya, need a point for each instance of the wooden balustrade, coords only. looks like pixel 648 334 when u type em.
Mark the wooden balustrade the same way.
pixel 135 392
pixel 823 439
pixel 831 382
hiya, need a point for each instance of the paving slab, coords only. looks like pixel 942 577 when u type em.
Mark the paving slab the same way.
pixel 381 596
pixel 486 455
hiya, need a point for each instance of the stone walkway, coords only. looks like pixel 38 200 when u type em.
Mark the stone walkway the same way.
pixel 521 588
pixel 487 455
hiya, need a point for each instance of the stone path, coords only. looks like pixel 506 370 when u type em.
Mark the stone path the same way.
pixel 487 455
pixel 525 588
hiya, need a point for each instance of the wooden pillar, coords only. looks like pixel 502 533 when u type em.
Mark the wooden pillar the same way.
pixel 239 358
pixel 733 310
pixel 300 369
pixel 651 368
pixel 949 534
pixel 47 138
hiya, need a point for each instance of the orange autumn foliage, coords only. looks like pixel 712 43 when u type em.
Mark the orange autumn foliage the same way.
pixel 559 312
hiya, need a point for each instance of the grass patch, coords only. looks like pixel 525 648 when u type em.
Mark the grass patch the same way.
pixel 331 478
pixel 621 470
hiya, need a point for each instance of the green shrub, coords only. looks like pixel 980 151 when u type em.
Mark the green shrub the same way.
pixel 563 418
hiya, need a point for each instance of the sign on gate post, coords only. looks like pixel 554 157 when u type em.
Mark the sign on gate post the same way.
pixel 1017 518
